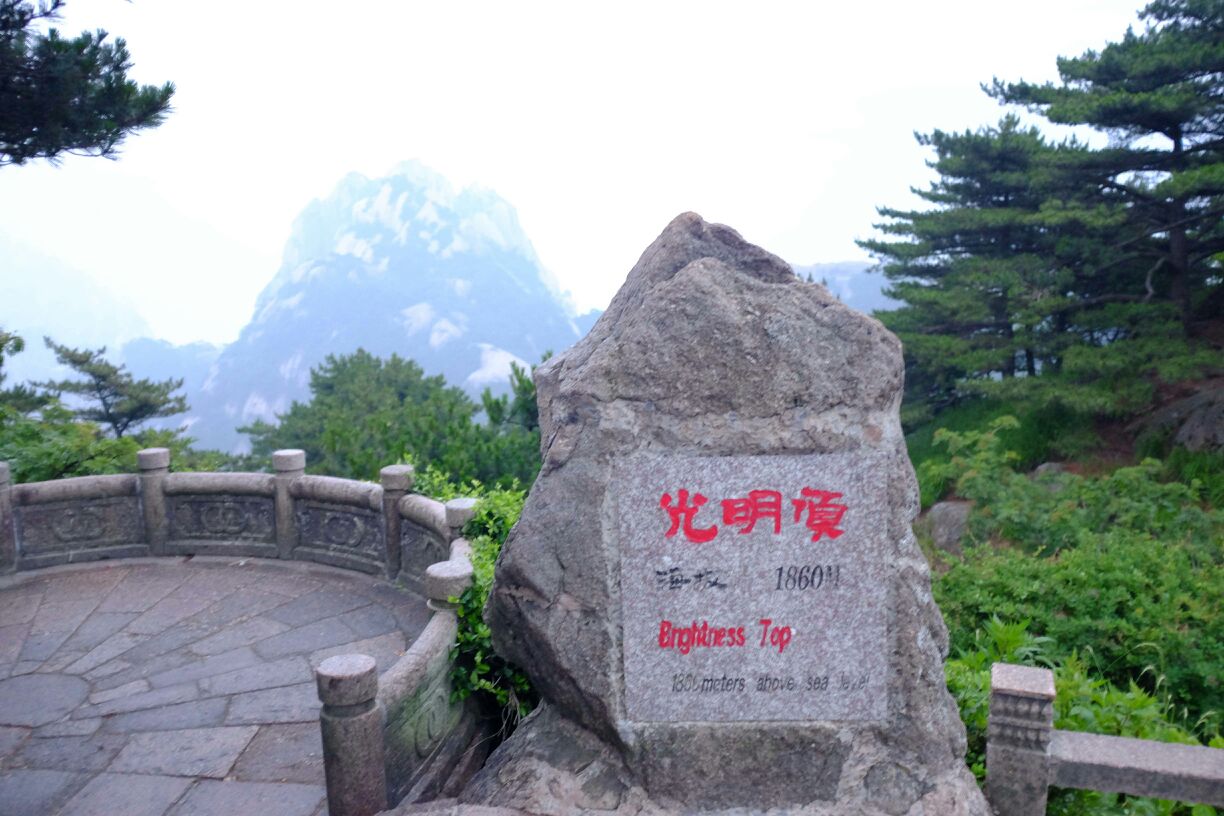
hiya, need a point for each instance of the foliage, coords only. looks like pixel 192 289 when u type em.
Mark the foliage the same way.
pixel 1075 558
pixel 1083 703
pixel 1206 468
pixel 477 668
pixel 1157 94
pixel 1054 274
pixel 114 398
pixel 54 446
pixel 1041 434
pixel 366 412
pixel 20 398
pixel 62 95
pixel 516 410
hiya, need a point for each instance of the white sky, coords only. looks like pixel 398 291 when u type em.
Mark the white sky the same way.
pixel 791 122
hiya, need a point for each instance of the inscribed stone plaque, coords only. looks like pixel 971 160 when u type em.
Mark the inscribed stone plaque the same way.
pixel 754 588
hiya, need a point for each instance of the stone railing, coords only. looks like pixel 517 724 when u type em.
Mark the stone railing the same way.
pixel 380 529
pixel 1025 755
pixel 374 528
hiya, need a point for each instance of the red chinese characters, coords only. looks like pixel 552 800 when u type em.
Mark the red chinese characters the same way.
pixel 760 504
pixel 823 513
pixel 682 513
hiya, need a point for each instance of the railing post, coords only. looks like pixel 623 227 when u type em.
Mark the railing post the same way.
pixel 458 513
pixel 352 724
pixel 1017 745
pixel 288 465
pixel 396 481
pixel 154 464
pixel 8 530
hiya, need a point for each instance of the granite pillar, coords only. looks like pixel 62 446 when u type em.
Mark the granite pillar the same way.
pixel 1017 749
pixel 352 720
pixel 396 481
pixel 287 465
pixel 154 464
pixel 8 540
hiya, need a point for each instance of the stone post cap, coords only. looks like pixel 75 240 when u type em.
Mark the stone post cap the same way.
pixel 288 461
pixel 459 512
pixel 5 474
pixel 153 458
pixel 1022 681
pixel 397 477
pixel 447 579
pixel 346 680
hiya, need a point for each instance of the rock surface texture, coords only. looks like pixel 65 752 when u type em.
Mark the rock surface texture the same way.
pixel 711 348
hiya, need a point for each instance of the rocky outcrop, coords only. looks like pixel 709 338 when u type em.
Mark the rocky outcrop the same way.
pixel 713 348
pixel 946 522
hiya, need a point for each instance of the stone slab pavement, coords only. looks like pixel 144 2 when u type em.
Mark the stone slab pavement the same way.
pixel 179 686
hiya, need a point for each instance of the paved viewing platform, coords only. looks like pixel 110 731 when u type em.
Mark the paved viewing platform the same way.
pixel 179 686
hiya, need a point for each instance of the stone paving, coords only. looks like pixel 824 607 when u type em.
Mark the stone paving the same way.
pixel 179 686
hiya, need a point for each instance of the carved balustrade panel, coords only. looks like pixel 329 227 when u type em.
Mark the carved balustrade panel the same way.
pixel 222 523
pixel 419 547
pixel 83 530
pixel 340 535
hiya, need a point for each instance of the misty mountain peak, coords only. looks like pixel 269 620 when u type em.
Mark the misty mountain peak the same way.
pixel 401 264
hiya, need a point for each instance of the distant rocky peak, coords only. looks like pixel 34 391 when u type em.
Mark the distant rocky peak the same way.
pixel 413 211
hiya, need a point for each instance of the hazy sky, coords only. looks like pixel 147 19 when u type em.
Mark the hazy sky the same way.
pixel 791 122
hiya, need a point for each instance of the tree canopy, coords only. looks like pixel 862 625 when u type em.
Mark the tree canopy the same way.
pixel 366 412
pixel 60 95
pixel 112 396
pixel 1059 272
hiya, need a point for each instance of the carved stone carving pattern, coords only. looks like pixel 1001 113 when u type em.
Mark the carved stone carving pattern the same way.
pixel 340 528
pixel 76 525
pixel 1021 722
pixel 223 517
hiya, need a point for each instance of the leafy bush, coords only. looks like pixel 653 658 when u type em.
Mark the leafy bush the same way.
pixel 54 446
pixel 1038 435
pixel 477 668
pixel 1076 557
pixel 1083 703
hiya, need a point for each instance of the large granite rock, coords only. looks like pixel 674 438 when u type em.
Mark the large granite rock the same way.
pixel 713 348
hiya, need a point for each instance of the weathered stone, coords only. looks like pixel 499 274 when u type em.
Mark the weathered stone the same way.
pixel 946 521
pixel 130 794
pixel 557 767
pixel 283 753
pixel 207 752
pixel 10 738
pixel 23 793
pixel 351 722
pixel 715 361
pixel 1195 422
pixel 37 699
pixel 286 704
pixel 84 754
pixel 196 714
pixel 210 797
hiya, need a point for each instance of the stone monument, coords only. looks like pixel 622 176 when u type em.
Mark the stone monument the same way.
pixel 714 584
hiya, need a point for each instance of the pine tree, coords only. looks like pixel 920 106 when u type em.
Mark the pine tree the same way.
pixel 1159 95
pixel 990 273
pixel 113 397
pixel 62 95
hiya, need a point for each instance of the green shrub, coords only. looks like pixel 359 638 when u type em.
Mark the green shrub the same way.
pixel 1037 436
pixel 1206 468
pixel 1083 703
pixel 55 446
pixel 478 670
pixel 1125 569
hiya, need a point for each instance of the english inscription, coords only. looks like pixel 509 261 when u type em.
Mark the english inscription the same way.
pixel 754 588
